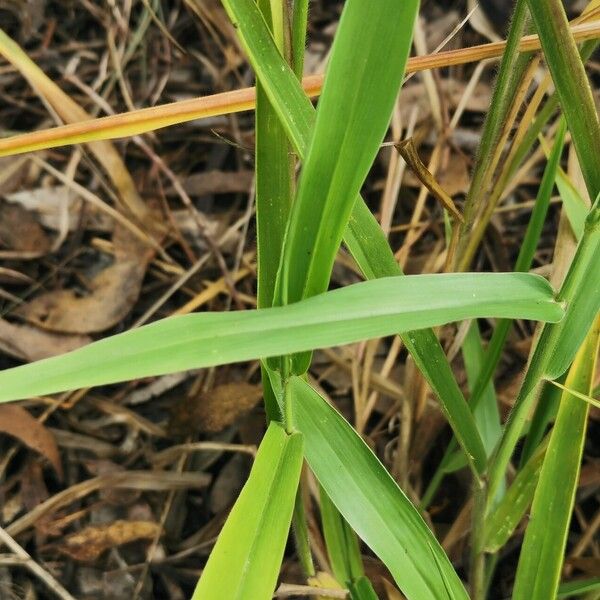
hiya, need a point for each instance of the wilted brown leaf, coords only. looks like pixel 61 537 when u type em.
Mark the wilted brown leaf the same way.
pixel 110 297
pixel 29 343
pixel 218 182
pixel 17 422
pixel 50 202
pixel 213 411
pixel 391 591
pixel 13 170
pixel 20 231
pixel 89 543
pixel 454 178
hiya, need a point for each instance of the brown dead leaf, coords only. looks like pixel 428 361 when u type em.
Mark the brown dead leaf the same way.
pixel 89 543
pixel 455 177
pixel 13 170
pixel 453 91
pixel 111 294
pixel 391 591
pixel 17 422
pixel 218 182
pixel 50 202
pixel 20 231
pixel 213 411
pixel 29 343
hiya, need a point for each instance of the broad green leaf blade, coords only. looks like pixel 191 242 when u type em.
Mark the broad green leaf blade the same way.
pixel 558 344
pixel 246 559
pixel 364 310
pixel 370 500
pixel 572 86
pixel 363 236
pixel 501 524
pixel 540 564
pixel 361 85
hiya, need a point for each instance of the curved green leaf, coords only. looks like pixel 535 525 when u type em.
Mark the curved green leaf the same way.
pixel 540 564
pixel 558 343
pixel 572 84
pixel 363 235
pixel 502 522
pixel 370 500
pixel 364 310
pixel 246 559
pixel 360 87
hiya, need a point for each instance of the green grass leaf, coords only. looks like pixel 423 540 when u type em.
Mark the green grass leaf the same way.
pixel 364 310
pixel 246 559
pixel 370 500
pixel 342 545
pixel 274 189
pixel 558 343
pixel 502 522
pixel 363 236
pixel 487 415
pixel 540 563
pixel 572 86
pixel 524 260
pixel 574 204
pixel 360 87
pixel 578 588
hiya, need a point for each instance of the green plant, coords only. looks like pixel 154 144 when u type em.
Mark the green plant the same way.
pixel 300 230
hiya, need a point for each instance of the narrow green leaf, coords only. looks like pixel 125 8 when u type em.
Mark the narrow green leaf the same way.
pixel 510 73
pixel 544 414
pixel 364 310
pixel 362 589
pixel 502 522
pixel 370 500
pixel 246 559
pixel 524 259
pixel 557 344
pixel 299 24
pixel 360 87
pixel 572 85
pixel 342 545
pixel 487 415
pixel 363 236
pixel 574 204
pixel 578 587
pixel 274 178
pixel 373 254
pixel 540 564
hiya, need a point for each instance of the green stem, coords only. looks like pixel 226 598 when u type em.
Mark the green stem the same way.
pixel 477 576
pixel 299 23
